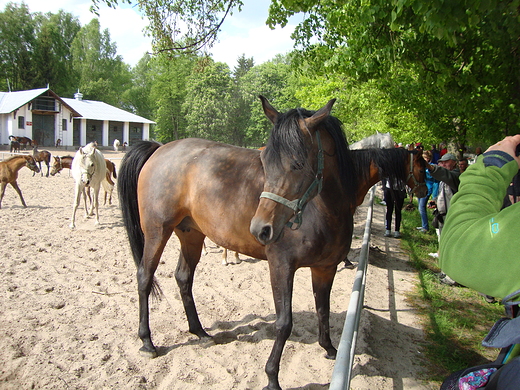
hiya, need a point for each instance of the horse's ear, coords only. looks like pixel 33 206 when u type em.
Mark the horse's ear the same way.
pixel 269 110
pixel 319 115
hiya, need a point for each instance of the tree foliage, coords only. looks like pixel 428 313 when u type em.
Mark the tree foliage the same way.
pixel 464 53
pixel 101 72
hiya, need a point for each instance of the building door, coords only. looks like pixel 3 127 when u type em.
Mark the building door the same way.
pixel 43 129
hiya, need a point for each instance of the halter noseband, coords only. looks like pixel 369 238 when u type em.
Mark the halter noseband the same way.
pixel 298 205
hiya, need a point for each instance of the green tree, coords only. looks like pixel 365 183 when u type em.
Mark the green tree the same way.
pixel 208 101
pixel 101 72
pixel 136 98
pixel 465 52
pixel 52 53
pixel 17 42
pixel 168 92
pixel 272 79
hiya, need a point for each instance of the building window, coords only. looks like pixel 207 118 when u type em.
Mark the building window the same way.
pixel 64 125
pixel 93 128
pixel 21 122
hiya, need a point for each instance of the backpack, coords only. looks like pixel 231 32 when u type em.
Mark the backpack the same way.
pixel 504 372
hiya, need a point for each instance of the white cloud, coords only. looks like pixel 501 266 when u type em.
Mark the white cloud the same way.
pixel 261 43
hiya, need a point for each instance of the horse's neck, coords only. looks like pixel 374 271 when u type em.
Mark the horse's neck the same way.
pixel 368 182
pixel 18 163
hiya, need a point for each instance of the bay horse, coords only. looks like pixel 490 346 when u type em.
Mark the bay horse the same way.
pixel 9 173
pixel 22 140
pixel 42 156
pixel 61 163
pixel 88 170
pixel 245 200
pixel 14 147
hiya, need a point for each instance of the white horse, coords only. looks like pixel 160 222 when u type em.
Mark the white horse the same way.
pixel 378 140
pixel 88 169
pixel 116 145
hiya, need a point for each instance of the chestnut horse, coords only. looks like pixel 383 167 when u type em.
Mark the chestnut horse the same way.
pixel 42 156
pixel 61 163
pixel 9 173
pixel 292 204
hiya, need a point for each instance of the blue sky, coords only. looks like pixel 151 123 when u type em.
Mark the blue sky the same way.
pixel 242 33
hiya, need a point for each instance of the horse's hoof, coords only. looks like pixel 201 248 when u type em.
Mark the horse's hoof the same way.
pixel 147 354
pixel 331 356
pixel 72 226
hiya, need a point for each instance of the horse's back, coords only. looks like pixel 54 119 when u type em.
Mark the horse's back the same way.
pixel 215 185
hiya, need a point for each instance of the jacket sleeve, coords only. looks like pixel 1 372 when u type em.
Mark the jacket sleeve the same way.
pixel 479 244
pixel 451 178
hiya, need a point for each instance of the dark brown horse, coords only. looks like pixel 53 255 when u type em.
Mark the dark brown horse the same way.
pixel 9 173
pixel 42 156
pixel 61 163
pixel 14 147
pixel 244 200
pixel 22 140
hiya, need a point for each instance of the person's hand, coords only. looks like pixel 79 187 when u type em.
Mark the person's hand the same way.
pixel 508 145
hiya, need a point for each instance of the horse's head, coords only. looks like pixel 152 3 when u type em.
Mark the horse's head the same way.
pixel 293 167
pixel 56 166
pixel 30 163
pixel 86 163
pixel 416 179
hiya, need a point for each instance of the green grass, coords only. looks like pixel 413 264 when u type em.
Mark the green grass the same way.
pixel 455 319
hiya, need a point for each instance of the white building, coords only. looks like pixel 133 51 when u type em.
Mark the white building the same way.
pixel 44 117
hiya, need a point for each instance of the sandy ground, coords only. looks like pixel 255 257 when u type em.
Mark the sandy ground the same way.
pixel 68 308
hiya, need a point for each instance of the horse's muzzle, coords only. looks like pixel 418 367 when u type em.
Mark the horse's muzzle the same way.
pixel 262 231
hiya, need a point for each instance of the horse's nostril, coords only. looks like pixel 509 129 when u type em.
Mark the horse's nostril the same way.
pixel 265 234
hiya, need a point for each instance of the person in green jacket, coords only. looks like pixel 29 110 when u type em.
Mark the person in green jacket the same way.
pixel 478 243
pixel 478 249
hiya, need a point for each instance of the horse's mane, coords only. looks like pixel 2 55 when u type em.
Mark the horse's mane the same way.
pixel 287 139
pixel 389 162
pixel 16 156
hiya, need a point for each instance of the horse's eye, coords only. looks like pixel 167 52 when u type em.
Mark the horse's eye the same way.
pixel 296 165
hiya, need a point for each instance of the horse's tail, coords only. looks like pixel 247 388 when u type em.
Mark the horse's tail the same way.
pixel 129 171
pixel 114 171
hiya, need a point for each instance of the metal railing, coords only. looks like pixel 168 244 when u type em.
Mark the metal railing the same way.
pixel 343 367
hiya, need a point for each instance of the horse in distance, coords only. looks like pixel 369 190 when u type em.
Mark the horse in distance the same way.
pixel 88 170
pixel 42 156
pixel 377 140
pixel 9 173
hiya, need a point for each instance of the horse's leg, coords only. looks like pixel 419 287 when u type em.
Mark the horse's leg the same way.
pixel 224 257
pixel 48 168
pixel 237 259
pixel 191 248
pixel 95 203
pixel 40 166
pixel 77 196
pixel 19 191
pixel 282 281
pixel 85 191
pixel 322 279
pixel 153 248
pixel 2 190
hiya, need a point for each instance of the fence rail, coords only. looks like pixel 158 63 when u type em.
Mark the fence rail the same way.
pixel 342 372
